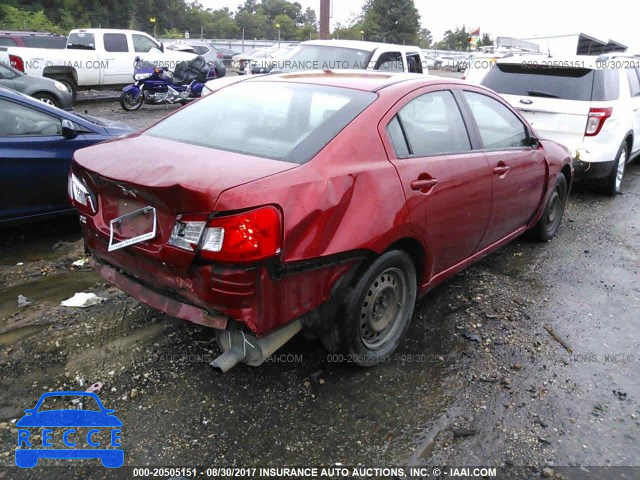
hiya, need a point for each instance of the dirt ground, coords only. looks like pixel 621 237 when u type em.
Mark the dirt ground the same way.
pixel 482 377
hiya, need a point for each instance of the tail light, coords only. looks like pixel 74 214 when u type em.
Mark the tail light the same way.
pixel 220 55
pixel 81 195
pixel 243 237
pixel 16 62
pixel 597 117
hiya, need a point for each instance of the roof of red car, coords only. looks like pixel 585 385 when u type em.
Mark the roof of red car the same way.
pixel 355 79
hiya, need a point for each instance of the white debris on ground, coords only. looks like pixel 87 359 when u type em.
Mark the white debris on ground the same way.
pixel 82 300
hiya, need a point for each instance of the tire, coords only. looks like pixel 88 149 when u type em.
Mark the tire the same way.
pixel 220 72
pixel 551 218
pixel 47 98
pixel 377 312
pixel 613 184
pixel 68 82
pixel 129 103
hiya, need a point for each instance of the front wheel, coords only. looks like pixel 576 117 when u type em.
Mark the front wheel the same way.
pixel 377 312
pixel 131 103
pixel 548 225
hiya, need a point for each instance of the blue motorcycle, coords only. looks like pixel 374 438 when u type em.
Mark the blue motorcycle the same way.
pixel 156 85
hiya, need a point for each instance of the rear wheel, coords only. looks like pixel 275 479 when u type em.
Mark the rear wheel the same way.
pixel 46 98
pixel 614 181
pixel 131 103
pixel 548 225
pixel 377 312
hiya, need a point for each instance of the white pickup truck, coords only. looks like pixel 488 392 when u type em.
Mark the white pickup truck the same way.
pixel 93 58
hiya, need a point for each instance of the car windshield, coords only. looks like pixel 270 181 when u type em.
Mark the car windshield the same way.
pixel 322 57
pixel 541 81
pixel 69 402
pixel 7 73
pixel 277 120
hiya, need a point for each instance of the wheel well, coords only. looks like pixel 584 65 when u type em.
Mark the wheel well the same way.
pixel 57 71
pixel 566 171
pixel 414 249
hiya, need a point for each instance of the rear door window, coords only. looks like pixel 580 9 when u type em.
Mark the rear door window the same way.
pixel 7 42
pixel 634 81
pixel 115 42
pixel 432 124
pixel 541 81
pixel 499 127
pixel 414 63
pixel 390 62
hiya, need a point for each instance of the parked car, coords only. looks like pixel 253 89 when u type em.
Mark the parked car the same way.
pixel 589 104
pixel 227 55
pixel 431 61
pixel 271 61
pixel 36 144
pixel 93 58
pixel 278 235
pixel 44 89
pixel 353 54
pixel 19 38
pixel 241 63
pixel 206 50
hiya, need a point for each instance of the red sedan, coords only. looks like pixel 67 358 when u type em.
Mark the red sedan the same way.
pixel 322 201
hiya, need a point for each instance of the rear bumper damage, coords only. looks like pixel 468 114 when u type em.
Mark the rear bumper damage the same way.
pixel 158 301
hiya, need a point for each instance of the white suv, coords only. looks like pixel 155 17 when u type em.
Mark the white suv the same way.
pixel 589 104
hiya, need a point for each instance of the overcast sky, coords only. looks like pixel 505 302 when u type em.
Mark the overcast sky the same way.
pixel 498 18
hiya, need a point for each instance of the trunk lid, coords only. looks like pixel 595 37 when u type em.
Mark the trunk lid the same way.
pixel 563 121
pixel 174 178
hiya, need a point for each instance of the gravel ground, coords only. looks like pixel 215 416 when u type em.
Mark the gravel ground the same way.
pixel 528 360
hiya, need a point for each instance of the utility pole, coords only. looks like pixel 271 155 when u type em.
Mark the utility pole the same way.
pixel 325 15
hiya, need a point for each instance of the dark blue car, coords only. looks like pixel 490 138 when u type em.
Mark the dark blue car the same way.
pixel 37 142
pixel 62 431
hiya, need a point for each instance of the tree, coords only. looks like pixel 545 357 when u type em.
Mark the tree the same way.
pixel 392 21
pixel 426 39
pixel 485 40
pixel 455 40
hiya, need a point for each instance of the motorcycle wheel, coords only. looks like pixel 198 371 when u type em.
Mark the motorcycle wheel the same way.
pixel 129 103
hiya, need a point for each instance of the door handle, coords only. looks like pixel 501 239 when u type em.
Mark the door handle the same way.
pixel 501 169
pixel 424 184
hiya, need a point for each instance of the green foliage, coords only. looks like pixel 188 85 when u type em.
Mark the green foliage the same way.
pixel 457 39
pixel 485 40
pixel 13 18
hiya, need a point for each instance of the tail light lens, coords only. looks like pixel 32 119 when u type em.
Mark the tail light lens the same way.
pixel 243 237
pixel 81 195
pixel 16 62
pixel 220 55
pixel 597 117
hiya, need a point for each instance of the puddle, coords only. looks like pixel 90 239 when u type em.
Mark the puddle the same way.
pixel 34 242
pixel 20 333
pixel 51 290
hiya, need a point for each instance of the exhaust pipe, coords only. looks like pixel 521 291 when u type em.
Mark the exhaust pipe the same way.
pixel 239 346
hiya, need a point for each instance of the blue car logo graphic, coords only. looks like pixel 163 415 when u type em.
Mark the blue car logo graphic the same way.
pixel 66 421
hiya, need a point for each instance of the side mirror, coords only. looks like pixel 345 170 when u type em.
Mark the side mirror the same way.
pixel 531 141
pixel 68 129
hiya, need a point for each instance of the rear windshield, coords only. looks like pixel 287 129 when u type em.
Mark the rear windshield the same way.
pixel 320 57
pixel 44 42
pixel 553 82
pixel 282 121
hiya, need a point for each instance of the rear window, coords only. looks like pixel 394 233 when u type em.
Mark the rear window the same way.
pixel 44 42
pixel 553 82
pixel 7 42
pixel 319 57
pixel 281 121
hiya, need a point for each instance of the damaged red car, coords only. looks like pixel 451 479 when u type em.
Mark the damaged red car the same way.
pixel 325 201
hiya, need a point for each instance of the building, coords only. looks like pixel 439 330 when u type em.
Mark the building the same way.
pixel 575 44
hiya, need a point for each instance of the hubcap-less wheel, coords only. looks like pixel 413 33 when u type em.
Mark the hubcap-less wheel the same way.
pixel 128 102
pixel 381 309
pixel 48 101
